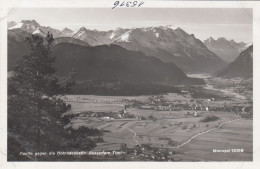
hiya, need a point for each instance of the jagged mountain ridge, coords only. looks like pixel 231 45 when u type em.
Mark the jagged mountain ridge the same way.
pixel 168 43
pixel 227 50
pixel 31 26
pixel 107 62
pixel 66 32
pixel 93 37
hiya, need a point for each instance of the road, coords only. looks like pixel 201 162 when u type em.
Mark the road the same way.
pixel 209 130
pixel 209 86
pixel 134 136
pixel 134 139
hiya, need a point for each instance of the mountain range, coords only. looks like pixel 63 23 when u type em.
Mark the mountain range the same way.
pixel 227 50
pixel 168 43
pixel 103 62
pixel 141 54
pixel 31 26
pixel 242 66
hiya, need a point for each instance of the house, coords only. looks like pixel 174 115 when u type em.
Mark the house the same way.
pixel 196 114
pixel 184 92
pixel 147 107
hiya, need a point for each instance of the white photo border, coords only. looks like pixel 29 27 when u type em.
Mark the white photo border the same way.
pixel 6 6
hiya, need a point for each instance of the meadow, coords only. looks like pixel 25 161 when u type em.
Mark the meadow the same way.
pixel 181 131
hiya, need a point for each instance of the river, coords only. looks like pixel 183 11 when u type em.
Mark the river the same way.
pixel 227 91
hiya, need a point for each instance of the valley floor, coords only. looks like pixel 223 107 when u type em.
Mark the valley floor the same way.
pixel 173 127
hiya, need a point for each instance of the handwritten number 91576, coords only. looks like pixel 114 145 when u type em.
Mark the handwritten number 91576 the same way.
pixel 127 4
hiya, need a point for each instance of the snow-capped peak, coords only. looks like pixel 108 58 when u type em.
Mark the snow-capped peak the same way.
pixel 249 44
pixel 80 34
pixel 246 46
pixel 112 35
pixel 38 31
pixel 171 27
pixel 157 35
pixel 17 26
pixel 124 37
pixel 11 24
pixel 79 30
pixel 145 29
pixel 167 27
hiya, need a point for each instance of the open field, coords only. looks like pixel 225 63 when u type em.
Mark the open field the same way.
pixel 96 107
pixel 161 133
pixel 107 99
pixel 235 135
pixel 181 129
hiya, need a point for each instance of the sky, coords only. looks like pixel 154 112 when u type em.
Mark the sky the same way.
pixel 231 23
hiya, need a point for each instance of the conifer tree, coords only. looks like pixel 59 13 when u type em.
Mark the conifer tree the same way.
pixel 34 103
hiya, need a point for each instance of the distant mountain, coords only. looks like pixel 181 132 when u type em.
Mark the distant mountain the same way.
pixel 93 37
pixel 11 24
pixel 66 32
pixel 225 49
pixel 246 46
pixel 106 62
pixel 31 26
pixel 242 66
pixel 168 43
pixel 70 40
pixel 38 31
pixel 17 46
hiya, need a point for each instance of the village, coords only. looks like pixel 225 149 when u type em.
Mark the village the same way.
pixel 154 127
pixel 157 103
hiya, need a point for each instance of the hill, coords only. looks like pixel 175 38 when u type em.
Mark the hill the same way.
pixel 112 62
pixel 241 67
